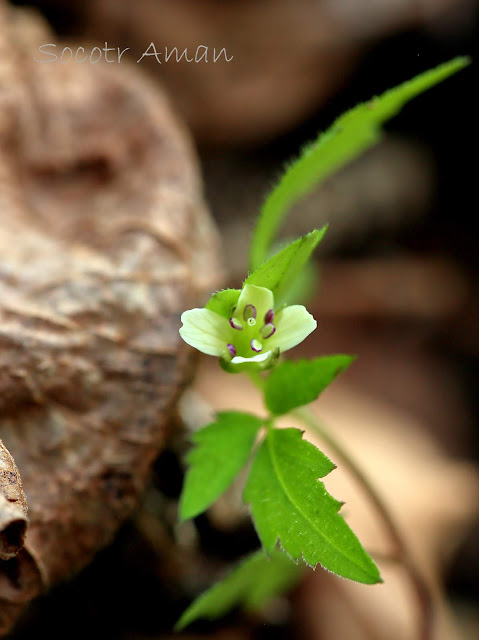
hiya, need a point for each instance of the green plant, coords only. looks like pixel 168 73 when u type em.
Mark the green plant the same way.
pixel 249 330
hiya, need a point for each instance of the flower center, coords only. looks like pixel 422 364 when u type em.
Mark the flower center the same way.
pixel 248 336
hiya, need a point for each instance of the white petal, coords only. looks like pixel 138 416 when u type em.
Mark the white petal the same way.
pixel 293 325
pixel 261 357
pixel 205 330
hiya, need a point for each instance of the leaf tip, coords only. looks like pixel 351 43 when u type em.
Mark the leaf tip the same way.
pixel 375 576
pixel 179 626
pixel 462 61
pixel 318 233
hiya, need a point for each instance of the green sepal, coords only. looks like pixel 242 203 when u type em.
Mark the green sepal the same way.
pixel 223 302
pixel 280 272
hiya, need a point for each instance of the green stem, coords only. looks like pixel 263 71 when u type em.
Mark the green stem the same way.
pixel 421 589
pixel 256 379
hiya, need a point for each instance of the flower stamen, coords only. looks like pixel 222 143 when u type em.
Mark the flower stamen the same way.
pixel 235 324
pixel 249 312
pixel 269 317
pixel 267 330
pixel 256 346
pixel 232 349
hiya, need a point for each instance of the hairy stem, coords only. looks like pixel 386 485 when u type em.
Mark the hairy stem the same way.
pixel 402 553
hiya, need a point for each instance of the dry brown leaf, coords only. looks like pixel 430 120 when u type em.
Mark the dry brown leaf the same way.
pixel 13 507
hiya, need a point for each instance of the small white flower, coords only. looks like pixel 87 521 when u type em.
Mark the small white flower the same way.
pixel 253 334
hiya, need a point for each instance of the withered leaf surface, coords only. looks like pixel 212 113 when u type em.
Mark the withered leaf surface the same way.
pixel 13 507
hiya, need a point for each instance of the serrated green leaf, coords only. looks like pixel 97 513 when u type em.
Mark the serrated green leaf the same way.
pixel 290 505
pixel 280 271
pixel 223 301
pixel 252 584
pixel 294 384
pixel 349 136
pixel 222 449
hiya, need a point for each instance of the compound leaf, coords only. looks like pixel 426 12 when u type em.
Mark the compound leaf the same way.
pixel 252 584
pixel 222 449
pixel 290 505
pixel 294 384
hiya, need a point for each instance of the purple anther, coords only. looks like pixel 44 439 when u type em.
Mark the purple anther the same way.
pixel 267 330
pixel 249 312
pixel 256 346
pixel 235 324
pixel 231 349
pixel 269 317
